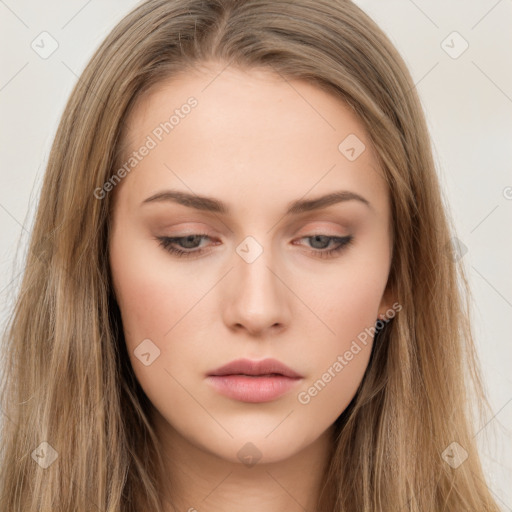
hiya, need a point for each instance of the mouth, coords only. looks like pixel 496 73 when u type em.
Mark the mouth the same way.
pixel 255 376
pixel 253 388
pixel 265 367
pixel 254 381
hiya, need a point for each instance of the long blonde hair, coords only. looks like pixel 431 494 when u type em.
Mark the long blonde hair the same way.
pixel 68 390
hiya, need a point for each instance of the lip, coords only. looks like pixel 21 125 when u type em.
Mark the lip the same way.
pixel 254 368
pixel 254 381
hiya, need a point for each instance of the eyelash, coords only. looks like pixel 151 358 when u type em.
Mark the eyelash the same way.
pixel 166 242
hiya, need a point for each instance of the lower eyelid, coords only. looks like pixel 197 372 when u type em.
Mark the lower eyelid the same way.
pixel 335 242
pixel 333 238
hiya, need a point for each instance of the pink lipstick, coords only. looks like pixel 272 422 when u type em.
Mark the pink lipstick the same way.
pixel 254 381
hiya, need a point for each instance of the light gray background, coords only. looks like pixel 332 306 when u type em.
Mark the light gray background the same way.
pixel 468 104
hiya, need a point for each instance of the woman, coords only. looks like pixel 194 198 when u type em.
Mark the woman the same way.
pixel 239 290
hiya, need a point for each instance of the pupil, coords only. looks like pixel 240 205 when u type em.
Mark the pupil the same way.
pixel 319 238
pixel 189 241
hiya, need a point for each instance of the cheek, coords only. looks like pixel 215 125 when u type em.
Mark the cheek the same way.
pixel 157 304
pixel 347 301
pixel 152 295
pixel 340 359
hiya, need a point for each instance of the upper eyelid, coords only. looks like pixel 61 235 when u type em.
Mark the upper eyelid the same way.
pixel 322 230
pixel 299 237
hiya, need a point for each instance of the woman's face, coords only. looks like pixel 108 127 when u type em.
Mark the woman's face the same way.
pixel 269 268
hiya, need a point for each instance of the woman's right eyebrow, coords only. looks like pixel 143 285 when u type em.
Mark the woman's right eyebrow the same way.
pixel 214 205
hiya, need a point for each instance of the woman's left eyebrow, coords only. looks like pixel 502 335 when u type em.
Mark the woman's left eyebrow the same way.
pixel 211 204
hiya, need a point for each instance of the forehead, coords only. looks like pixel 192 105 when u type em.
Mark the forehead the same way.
pixel 251 137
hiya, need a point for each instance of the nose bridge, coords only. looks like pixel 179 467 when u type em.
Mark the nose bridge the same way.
pixel 253 269
pixel 258 301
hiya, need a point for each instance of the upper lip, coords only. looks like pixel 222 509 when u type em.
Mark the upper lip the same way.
pixel 249 367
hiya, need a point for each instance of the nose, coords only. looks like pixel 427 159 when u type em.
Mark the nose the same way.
pixel 258 296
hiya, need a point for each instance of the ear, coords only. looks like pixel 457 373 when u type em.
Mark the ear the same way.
pixel 386 303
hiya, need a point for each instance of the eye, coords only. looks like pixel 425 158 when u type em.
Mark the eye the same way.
pixel 189 241
pixel 190 244
pixel 324 241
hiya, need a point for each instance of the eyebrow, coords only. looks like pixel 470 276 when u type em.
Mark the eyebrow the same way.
pixel 211 204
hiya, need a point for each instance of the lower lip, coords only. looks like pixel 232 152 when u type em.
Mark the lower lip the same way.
pixel 252 389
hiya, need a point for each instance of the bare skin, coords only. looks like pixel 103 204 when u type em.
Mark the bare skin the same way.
pixel 255 142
